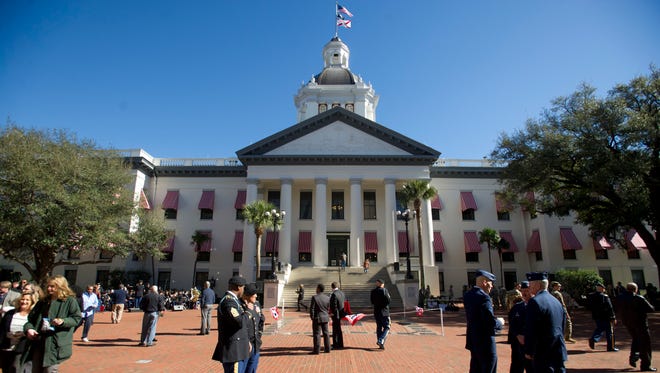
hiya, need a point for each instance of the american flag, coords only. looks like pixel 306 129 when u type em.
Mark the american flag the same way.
pixel 341 9
pixel 419 310
pixel 352 319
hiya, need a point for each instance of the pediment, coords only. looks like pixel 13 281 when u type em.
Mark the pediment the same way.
pixel 337 136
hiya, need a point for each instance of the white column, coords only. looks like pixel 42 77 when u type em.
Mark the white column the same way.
pixel 320 242
pixel 285 231
pixel 427 234
pixel 356 249
pixel 389 253
pixel 248 265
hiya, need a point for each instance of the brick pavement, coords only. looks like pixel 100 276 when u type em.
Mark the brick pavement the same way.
pixel 418 346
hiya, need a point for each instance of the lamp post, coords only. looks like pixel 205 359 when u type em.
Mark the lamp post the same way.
pixel 406 216
pixel 277 218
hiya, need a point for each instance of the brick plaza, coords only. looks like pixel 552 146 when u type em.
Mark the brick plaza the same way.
pixel 415 345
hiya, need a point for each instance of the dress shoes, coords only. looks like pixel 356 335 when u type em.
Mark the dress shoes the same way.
pixel 591 343
pixel 649 369
pixel 613 349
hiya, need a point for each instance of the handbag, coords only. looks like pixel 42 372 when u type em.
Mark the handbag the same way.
pixel 21 346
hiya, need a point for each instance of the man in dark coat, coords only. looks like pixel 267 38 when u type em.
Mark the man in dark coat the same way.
pixel 516 336
pixel 603 313
pixel 301 297
pixel 337 299
pixel 153 307
pixel 233 348
pixel 544 327
pixel 381 299
pixel 318 312
pixel 481 325
pixel 633 311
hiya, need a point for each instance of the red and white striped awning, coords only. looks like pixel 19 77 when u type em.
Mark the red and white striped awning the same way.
pixel 534 243
pixel 305 242
pixel 171 200
pixel 207 201
pixel 370 242
pixel 568 239
pixel 241 197
pixel 237 246
pixel 508 236
pixel 467 201
pixel 471 241
pixel 169 246
pixel 272 241
pixel 438 243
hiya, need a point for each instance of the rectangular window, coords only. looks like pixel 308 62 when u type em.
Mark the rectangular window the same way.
pixel 435 214
pixel 369 205
pixel 239 214
pixel 606 275
pixel 304 257
pixel 305 205
pixel 205 214
pixel 106 255
pixel 373 257
pixel 569 254
pixel 441 281
pixel 468 215
pixel 638 278
pixel 438 257
pixel 102 276
pixel 164 278
pixel 170 214
pixel 167 256
pixel 472 278
pixel 472 257
pixel 633 254
pixel 508 257
pixel 274 198
pixel 400 205
pixel 539 256
pixel 200 279
pixel 203 256
pixel 337 206
pixel 510 279
pixel 71 275
pixel 503 216
pixel 238 257
pixel 601 254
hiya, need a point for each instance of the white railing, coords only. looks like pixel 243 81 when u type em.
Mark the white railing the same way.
pixel 453 162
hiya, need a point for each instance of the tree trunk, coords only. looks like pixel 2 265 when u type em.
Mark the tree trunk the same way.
pixel 258 251
pixel 422 281
pixel 652 246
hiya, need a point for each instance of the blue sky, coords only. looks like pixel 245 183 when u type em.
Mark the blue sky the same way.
pixel 207 78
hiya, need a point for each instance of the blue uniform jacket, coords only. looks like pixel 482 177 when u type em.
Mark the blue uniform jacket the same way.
pixel 481 321
pixel 544 332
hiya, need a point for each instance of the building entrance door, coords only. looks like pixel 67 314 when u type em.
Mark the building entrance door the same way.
pixel 337 245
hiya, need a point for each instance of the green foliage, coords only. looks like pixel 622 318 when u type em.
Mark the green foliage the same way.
pixel 595 158
pixel 490 237
pixel 151 235
pixel 257 213
pixel 416 191
pixel 119 276
pixel 59 194
pixel 578 283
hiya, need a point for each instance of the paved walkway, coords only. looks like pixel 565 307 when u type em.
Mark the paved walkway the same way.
pixel 415 345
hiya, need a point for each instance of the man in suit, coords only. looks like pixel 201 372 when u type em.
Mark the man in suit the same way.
pixel 544 327
pixel 233 348
pixel 318 312
pixel 516 336
pixel 337 299
pixel 381 299
pixel 633 311
pixel 481 325
pixel 207 300
pixel 603 314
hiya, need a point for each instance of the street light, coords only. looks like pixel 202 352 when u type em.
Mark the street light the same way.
pixel 406 216
pixel 276 217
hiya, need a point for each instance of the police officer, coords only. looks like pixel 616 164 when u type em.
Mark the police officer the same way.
pixel 516 336
pixel 233 348
pixel 481 325
pixel 544 327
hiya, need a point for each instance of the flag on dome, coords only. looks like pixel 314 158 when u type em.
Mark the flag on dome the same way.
pixel 343 22
pixel 341 9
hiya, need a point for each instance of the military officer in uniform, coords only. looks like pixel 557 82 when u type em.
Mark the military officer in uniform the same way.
pixel 481 325
pixel 544 327
pixel 233 348
pixel 516 336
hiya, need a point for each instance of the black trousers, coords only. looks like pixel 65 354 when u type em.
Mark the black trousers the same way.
pixel 337 336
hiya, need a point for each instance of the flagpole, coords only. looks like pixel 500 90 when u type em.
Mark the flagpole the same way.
pixel 336 23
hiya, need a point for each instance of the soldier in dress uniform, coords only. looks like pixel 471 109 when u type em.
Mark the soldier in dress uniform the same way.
pixel 544 327
pixel 516 336
pixel 555 286
pixel 233 348
pixel 481 325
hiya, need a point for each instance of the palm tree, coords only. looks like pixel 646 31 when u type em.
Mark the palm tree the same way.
pixel 494 241
pixel 258 213
pixel 416 191
pixel 197 240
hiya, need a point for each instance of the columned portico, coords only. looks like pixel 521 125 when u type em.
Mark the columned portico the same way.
pixel 357 235
pixel 389 253
pixel 320 242
pixel 286 205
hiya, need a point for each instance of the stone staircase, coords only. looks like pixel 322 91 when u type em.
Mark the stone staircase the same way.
pixel 355 284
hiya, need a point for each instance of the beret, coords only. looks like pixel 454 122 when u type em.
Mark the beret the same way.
pixel 237 281
pixel 537 276
pixel 486 274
